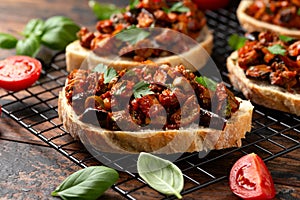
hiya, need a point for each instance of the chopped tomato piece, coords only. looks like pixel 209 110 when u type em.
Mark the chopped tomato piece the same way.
pixel 251 179
pixel 19 72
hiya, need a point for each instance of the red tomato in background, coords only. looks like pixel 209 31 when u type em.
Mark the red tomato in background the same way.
pixel 211 4
pixel 19 72
pixel 251 179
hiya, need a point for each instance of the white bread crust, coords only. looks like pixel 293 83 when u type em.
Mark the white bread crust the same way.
pixel 261 92
pixel 76 55
pixel 167 142
pixel 251 24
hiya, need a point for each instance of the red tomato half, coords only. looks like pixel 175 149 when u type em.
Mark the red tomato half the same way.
pixel 211 4
pixel 251 179
pixel 19 72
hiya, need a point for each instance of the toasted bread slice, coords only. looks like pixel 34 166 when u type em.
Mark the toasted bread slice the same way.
pixel 167 142
pixel 261 92
pixel 76 55
pixel 251 24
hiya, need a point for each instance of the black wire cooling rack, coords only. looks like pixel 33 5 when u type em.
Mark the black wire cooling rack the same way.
pixel 273 133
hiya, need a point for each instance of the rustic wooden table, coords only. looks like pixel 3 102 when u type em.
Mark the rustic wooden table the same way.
pixel 30 169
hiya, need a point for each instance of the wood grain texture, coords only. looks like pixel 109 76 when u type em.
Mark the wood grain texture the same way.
pixel 29 169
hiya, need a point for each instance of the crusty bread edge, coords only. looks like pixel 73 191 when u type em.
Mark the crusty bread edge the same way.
pixel 76 55
pixel 260 92
pixel 167 142
pixel 251 24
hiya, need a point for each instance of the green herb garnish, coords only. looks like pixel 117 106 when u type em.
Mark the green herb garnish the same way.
pixel 108 72
pixel 162 175
pixel 141 89
pixel 277 49
pixel 86 184
pixel 177 7
pixel 132 35
pixel 7 41
pixel 109 75
pixel 29 46
pixel 101 68
pixel 55 33
pixel 133 4
pixel 298 11
pixel 285 38
pixel 236 42
pixel 104 10
pixel 206 82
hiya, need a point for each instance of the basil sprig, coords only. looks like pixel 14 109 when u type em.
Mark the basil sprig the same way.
pixel 87 184
pixel 160 174
pixel 55 33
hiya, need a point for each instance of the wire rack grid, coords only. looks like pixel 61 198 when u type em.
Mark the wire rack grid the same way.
pixel 273 133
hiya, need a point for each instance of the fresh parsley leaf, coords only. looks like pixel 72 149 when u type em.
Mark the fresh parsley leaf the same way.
pixel 109 75
pixel 104 10
pixel 206 82
pixel 132 35
pixel 285 38
pixel 177 7
pixel 101 68
pixel 108 72
pixel 141 89
pixel 277 49
pixel 298 12
pixel 236 42
pixel 133 4
pixel 7 41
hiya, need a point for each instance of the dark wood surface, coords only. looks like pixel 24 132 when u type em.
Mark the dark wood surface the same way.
pixel 30 169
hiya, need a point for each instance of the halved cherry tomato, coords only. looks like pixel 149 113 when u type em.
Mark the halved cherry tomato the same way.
pixel 19 72
pixel 251 179
pixel 211 4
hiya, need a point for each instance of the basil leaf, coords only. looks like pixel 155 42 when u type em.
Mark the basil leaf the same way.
pixel 236 42
pixel 160 174
pixel 29 46
pixel 7 41
pixel 132 35
pixel 133 4
pixel 206 82
pixel 104 10
pixel 87 184
pixel 58 38
pixel 285 38
pixel 59 31
pixel 34 26
pixel 141 89
pixel 277 49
